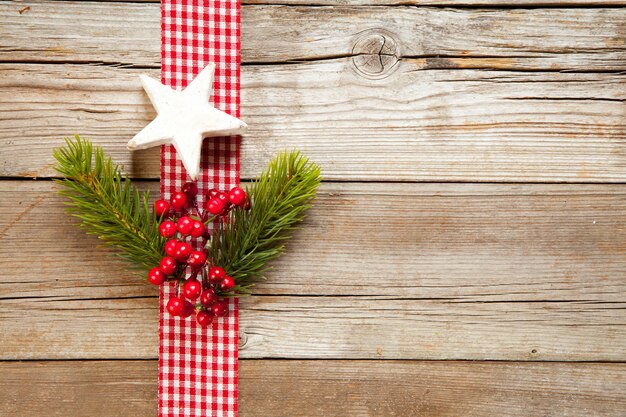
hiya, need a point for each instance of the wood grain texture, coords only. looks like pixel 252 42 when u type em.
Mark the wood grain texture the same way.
pixel 347 327
pixel 504 4
pixel 554 39
pixel 488 243
pixel 427 271
pixel 79 389
pixel 414 125
pixel 390 388
pixel 433 112
pixel 530 273
pixel 328 388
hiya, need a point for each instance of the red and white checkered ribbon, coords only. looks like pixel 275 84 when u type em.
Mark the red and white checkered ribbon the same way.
pixel 198 367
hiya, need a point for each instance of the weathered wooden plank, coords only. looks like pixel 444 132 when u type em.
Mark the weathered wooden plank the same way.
pixel 318 388
pixel 378 327
pixel 414 125
pixel 76 388
pixel 122 33
pixel 390 388
pixel 554 39
pixel 454 241
pixel 328 327
pixel 426 271
pixel 529 39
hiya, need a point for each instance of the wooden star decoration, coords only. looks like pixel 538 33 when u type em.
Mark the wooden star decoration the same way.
pixel 184 119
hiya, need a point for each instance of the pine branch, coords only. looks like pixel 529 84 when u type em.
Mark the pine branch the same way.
pixel 108 206
pixel 280 197
pixel 113 209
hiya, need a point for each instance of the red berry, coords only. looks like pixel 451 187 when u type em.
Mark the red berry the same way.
pixel 216 273
pixel 197 229
pixel 168 265
pixel 208 297
pixel 196 259
pixel 216 206
pixel 190 189
pixel 156 276
pixel 183 250
pixel 161 207
pixel 204 318
pixel 185 225
pixel 227 284
pixel 222 196
pixel 167 229
pixel 188 309
pixel 179 201
pixel 213 192
pixel 171 246
pixel 219 309
pixel 247 205
pixel 175 306
pixel 192 289
pixel 237 196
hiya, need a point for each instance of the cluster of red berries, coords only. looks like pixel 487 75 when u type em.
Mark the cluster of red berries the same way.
pixel 184 224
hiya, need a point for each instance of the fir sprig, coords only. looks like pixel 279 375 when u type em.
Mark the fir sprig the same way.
pixel 107 204
pixel 280 198
pixel 110 207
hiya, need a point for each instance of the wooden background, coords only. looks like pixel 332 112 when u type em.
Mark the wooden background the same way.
pixel 467 254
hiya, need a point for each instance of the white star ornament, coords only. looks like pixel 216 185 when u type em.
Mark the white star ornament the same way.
pixel 184 119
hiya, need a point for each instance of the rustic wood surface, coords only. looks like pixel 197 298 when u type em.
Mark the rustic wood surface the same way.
pixel 419 286
pixel 481 242
pixel 457 38
pixel 465 99
pixel 440 125
pixel 328 388
pixel 551 257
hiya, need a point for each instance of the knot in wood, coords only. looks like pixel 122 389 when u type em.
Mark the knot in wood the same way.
pixel 243 339
pixel 375 54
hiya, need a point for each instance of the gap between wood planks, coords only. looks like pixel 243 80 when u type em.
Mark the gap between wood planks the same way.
pixel 288 359
pixel 434 4
pixel 426 62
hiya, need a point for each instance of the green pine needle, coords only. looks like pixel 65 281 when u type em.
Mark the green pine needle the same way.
pixel 280 198
pixel 108 206
pixel 111 208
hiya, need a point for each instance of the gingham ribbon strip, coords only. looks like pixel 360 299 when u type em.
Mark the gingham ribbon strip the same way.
pixel 198 367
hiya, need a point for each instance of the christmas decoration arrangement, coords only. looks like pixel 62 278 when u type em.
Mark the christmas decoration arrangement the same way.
pixel 207 253
pixel 208 239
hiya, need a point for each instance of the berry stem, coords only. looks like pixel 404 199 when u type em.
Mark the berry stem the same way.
pixel 211 219
pixel 205 283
